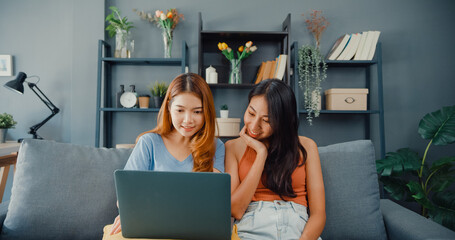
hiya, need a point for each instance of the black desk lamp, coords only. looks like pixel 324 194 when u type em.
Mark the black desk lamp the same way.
pixel 17 86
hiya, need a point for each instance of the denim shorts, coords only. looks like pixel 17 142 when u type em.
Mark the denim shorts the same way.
pixel 277 220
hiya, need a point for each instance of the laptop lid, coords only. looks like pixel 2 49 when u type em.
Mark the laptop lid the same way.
pixel 177 205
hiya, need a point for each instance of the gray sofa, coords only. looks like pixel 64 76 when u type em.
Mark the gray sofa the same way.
pixel 66 191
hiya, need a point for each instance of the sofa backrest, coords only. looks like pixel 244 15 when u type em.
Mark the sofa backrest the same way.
pixel 62 191
pixel 351 191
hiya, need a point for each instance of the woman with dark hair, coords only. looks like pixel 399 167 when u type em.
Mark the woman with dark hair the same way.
pixel 184 138
pixel 275 174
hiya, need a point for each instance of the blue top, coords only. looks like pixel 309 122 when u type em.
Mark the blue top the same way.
pixel 150 153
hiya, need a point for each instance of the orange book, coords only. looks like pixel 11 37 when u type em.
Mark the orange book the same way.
pixel 260 73
pixel 272 71
pixel 268 68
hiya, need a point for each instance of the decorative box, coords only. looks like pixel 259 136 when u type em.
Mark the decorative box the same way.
pixel 346 99
pixel 227 127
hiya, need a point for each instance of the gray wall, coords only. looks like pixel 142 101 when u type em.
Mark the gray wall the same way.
pixel 57 40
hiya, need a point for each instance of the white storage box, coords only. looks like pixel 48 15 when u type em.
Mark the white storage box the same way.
pixel 227 127
pixel 346 99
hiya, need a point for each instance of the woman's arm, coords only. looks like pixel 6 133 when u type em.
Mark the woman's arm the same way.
pixel 315 189
pixel 243 192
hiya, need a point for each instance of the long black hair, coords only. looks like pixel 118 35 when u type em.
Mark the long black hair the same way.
pixel 285 150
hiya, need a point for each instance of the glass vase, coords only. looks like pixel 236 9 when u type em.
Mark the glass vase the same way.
pixel 235 76
pixel 167 39
pixel 122 39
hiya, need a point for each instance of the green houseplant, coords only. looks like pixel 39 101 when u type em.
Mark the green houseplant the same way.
pixel 407 176
pixel 224 111
pixel 312 67
pixel 120 28
pixel 158 91
pixel 6 122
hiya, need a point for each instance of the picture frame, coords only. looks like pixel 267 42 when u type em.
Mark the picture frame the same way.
pixel 6 65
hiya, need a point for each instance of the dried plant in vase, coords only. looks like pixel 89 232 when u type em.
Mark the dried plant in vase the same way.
pixel 312 67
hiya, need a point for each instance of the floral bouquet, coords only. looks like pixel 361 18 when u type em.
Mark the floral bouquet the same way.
pixel 167 22
pixel 242 53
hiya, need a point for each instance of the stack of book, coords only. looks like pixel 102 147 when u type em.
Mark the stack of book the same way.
pixel 272 69
pixel 356 46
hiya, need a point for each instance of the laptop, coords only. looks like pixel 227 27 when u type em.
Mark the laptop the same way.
pixel 175 205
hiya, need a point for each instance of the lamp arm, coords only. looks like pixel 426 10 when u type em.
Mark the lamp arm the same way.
pixel 48 104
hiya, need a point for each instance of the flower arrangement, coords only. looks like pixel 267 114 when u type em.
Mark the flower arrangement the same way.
pixel 167 22
pixel 317 24
pixel 243 52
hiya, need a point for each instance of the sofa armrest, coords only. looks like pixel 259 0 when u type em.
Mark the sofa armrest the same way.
pixel 3 211
pixel 402 224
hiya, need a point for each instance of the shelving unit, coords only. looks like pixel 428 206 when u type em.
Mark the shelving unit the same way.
pixel 104 100
pixel 270 44
pixel 367 65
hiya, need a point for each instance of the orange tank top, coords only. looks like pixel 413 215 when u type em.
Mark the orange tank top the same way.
pixel 264 194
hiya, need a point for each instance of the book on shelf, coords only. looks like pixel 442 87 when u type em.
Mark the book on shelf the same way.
pixel 273 68
pixel 373 45
pixel 260 73
pixel 267 69
pixel 370 43
pixel 281 66
pixel 361 45
pixel 338 47
pixel 351 47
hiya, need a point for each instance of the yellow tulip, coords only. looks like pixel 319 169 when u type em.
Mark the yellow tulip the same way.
pixel 224 45
pixel 220 46
pixel 169 14
pixel 253 48
pixel 241 49
pixel 249 44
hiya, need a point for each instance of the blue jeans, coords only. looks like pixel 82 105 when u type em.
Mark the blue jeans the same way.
pixel 277 220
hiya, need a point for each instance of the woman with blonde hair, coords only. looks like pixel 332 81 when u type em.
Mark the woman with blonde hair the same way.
pixel 184 138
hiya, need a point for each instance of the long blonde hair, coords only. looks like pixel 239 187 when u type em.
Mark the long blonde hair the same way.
pixel 203 145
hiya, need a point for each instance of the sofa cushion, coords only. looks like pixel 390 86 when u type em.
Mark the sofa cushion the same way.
pixel 62 191
pixel 351 191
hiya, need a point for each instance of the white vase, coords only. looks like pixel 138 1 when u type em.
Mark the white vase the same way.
pixel 224 113
pixel 3 134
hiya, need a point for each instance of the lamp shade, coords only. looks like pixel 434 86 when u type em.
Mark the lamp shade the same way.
pixel 17 85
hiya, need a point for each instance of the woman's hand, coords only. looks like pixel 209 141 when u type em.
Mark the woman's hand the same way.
pixel 258 146
pixel 116 227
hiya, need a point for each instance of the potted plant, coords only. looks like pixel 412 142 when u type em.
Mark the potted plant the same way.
pixel 312 67
pixel 224 112
pixel 407 176
pixel 120 28
pixel 158 91
pixel 6 122
pixel 144 101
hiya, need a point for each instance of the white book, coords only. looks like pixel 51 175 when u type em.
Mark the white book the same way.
pixel 361 45
pixel 338 47
pixel 350 49
pixel 366 48
pixel 373 45
pixel 281 66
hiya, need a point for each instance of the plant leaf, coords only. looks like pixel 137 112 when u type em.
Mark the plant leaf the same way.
pixel 441 180
pixel 404 160
pixel 444 211
pixel 419 195
pixel 439 126
pixel 396 188
pixel 441 163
